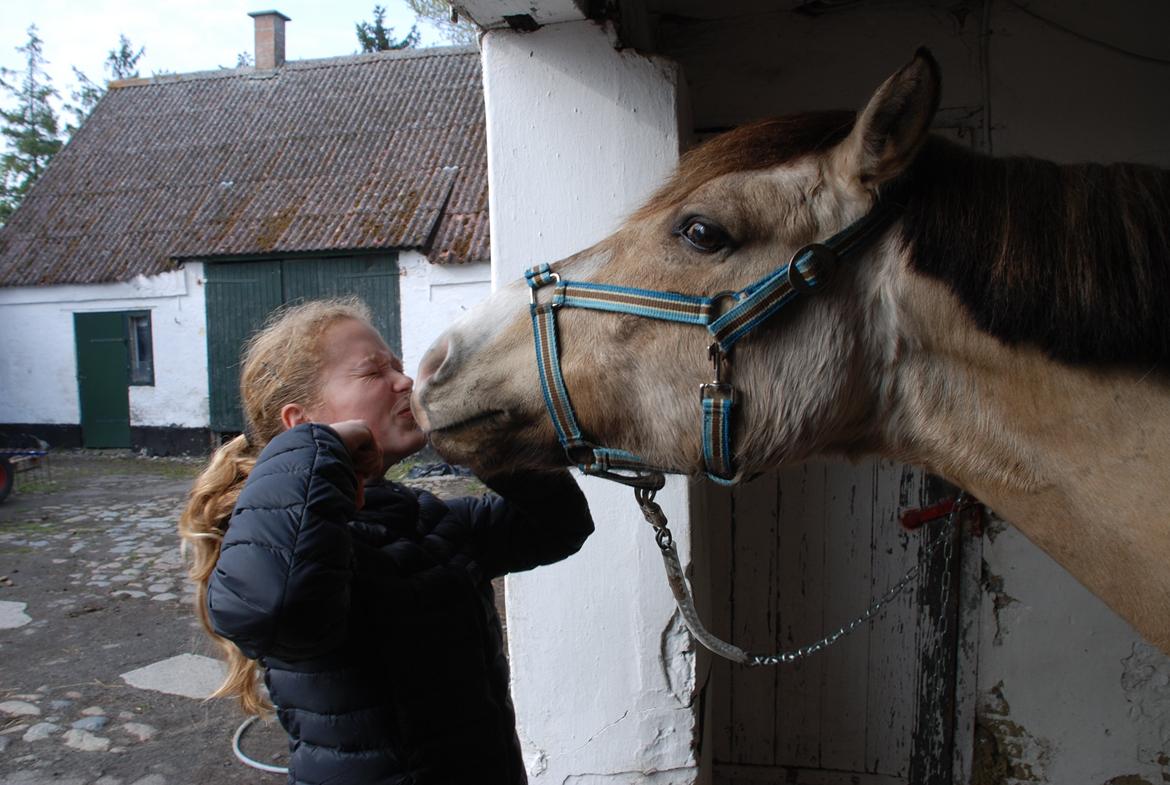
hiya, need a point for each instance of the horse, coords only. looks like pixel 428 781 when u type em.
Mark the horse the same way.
pixel 1002 326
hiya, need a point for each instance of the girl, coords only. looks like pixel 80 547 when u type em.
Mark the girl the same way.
pixel 368 606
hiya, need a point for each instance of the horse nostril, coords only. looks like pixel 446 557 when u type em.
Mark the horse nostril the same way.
pixel 433 360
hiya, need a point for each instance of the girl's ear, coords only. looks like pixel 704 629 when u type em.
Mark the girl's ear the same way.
pixel 292 414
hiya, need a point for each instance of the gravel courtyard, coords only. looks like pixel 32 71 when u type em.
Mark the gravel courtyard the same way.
pixel 105 669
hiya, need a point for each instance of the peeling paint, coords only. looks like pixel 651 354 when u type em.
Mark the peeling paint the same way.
pixel 677 660
pixel 1129 779
pixel 993 586
pixel 994 526
pixel 1005 752
pixel 536 763
pixel 683 776
pixel 1145 678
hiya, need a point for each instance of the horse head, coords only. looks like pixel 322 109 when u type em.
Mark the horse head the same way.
pixel 739 207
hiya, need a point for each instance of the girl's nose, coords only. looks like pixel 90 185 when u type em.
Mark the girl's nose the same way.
pixel 403 383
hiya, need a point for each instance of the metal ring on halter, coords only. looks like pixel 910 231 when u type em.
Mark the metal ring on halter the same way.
pixel 717 300
pixel 553 278
pixel 823 261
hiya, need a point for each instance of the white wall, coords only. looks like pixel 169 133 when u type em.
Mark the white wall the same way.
pixel 432 297
pixel 38 363
pixel 603 675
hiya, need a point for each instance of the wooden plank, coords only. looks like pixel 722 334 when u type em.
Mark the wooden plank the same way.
pixel 723 774
pixel 848 525
pixel 967 660
pixel 239 298
pixel 754 620
pixel 938 602
pixel 801 568
pixel 893 635
pixel 720 534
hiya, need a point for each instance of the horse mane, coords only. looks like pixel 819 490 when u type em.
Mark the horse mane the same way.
pixel 1073 259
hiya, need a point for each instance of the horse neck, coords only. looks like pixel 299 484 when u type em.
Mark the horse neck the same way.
pixel 1077 458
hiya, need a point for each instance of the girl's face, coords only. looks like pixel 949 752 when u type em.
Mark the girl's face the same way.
pixel 363 380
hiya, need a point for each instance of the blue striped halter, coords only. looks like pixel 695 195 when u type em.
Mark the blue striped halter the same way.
pixel 807 272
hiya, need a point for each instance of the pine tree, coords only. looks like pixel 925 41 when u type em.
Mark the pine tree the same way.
pixel 376 37
pixel 121 63
pixel 30 131
pixel 457 31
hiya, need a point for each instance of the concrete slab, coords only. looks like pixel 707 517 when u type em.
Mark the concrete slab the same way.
pixel 188 675
pixel 12 615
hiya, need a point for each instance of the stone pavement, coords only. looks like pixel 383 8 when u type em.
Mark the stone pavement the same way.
pixel 105 670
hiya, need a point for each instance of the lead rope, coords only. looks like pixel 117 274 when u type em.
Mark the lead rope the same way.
pixel 686 604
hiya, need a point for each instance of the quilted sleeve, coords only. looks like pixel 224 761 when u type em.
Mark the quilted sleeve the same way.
pixel 281 586
pixel 530 521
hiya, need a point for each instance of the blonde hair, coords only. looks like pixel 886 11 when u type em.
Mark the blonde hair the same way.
pixel 282 364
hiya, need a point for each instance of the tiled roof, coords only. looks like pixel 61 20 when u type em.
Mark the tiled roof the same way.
pixel 352 153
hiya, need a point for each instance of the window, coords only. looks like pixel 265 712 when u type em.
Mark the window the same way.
pixel 141 349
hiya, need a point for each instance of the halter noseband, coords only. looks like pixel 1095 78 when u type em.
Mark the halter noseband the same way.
pixel 807 272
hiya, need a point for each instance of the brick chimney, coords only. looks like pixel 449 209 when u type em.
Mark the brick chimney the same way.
pixel 269 38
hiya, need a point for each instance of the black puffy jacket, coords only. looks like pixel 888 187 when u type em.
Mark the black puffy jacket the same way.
pixel 377 629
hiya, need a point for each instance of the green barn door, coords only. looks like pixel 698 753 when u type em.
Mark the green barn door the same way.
pixel 372 278
pixel 239 298
pixel 103 378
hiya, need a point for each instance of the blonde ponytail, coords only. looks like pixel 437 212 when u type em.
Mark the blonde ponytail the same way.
pixel 201 527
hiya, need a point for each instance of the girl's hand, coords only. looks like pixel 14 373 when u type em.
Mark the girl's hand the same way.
pixel 363 451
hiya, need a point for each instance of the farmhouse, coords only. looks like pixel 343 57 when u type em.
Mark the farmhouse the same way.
pixel 190 206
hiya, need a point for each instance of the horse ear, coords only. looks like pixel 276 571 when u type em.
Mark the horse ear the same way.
pixel 893 125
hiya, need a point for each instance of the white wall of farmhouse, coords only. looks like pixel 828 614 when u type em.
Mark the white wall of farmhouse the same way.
pixel 431 297
pixel 38 365
pixel 603 674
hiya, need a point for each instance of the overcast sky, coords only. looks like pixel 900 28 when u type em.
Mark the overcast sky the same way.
pixel 195 35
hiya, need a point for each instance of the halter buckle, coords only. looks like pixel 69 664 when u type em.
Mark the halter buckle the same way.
pixel 821 259
pixel 533 285
pixel 717 391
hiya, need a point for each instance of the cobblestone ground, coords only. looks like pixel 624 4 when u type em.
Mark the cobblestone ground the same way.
pixel 105 669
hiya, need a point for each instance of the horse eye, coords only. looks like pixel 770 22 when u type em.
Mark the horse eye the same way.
pixel 704 235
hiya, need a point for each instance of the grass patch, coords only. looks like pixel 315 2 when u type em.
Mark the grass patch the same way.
pixel 399 471
pixel 27 527
pixel 34 485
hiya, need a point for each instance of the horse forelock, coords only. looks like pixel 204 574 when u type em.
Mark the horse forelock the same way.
pixel 1073 259
pixel 760 145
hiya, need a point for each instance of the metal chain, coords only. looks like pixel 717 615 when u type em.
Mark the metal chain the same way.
pixel 683 598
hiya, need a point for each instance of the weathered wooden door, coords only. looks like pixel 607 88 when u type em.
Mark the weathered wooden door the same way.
pixel 373 278
pixel 103 378
pixel 804 551
pixel 239 298
pixel 241 295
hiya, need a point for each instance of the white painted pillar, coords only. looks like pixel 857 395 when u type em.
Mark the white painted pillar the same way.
pixel 602 670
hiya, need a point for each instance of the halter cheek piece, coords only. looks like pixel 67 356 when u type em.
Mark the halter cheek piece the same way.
pixel 807 272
